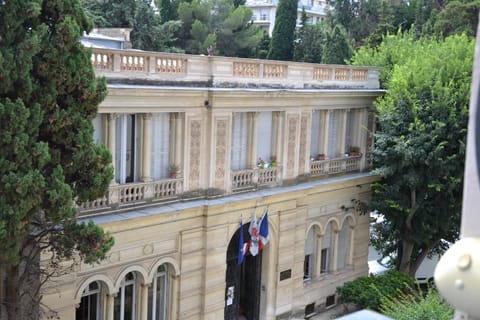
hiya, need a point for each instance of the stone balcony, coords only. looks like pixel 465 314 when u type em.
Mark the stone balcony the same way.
pixel 168 190
pixel 156 68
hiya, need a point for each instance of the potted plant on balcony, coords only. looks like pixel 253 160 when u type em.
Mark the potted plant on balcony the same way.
pixel 273 161
pixel 174 170
pixel 354 151
pixel 261 163
pixel 320 156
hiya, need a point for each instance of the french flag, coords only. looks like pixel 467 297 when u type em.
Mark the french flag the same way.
pixel 264 236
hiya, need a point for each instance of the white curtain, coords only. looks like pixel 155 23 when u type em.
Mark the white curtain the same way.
pixel 160 145
pixel 239 141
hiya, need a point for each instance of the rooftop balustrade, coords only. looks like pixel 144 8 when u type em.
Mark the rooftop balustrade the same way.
pixel 133 66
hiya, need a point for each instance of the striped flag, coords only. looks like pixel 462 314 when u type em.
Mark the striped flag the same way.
pixel 263 234
pixel 241 245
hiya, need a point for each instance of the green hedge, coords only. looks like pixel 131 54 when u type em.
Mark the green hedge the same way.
pixel 367 292
pixel 417 306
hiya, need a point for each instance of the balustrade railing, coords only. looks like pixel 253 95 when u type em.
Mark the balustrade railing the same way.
pixel 252 178
pixel 337 165
pixel 122 195
pixel 184 69
pixel 135 193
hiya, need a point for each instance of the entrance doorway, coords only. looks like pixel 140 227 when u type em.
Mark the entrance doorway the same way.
pixel 243 282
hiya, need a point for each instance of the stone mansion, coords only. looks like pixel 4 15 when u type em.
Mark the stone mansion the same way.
pixel 202 143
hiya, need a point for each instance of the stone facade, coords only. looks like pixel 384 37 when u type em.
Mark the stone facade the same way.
pixel 175 236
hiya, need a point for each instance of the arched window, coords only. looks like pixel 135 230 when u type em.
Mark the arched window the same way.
pixel 125 302
pixel 158 296
pixel 90 304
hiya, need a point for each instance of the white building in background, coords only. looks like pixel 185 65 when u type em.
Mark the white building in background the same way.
pixel 264 12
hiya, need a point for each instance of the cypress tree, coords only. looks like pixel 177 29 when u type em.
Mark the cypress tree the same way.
pixel 48 161
pixel 281 45
pixel 166 11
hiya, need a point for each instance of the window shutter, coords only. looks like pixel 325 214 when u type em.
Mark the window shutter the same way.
pixel 120 148
pixel 160 145
pixel 349 130
pixel 239 141
pixel 342 246
pixel 310 242
pixel 314 145
pixel 332 134
pixel 97 129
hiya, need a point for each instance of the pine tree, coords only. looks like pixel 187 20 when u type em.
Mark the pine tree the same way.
pixel 48 161
pixel 281 46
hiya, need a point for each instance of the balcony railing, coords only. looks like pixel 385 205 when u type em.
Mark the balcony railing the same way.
pixel 253 178
pixel 124 195
pixel 337 165
pixel 135 193
pixel 187 70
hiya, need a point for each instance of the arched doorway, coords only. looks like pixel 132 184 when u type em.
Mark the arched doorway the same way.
pixel 243 281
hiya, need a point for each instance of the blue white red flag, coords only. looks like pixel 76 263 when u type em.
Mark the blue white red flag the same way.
pixel 253 230
pixel 242 246
pixel 263 234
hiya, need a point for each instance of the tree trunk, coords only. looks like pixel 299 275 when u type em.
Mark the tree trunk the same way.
pixel 404 263
pixel 22 296
pixel 11 294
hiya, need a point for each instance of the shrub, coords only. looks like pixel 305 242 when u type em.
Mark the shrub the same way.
pixel 417 306
pixel 367 292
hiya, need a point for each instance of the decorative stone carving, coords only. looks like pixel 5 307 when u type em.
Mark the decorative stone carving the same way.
pixel 303 142
pixel 291 146
pixel 148 249
pixel 220 153
pixel 195 152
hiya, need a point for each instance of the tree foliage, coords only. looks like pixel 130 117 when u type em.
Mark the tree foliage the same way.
pixel 49 163
pixel 368 292
pixel 420 143
pixel 458 17
pixel 167 11
pixel 150 34
pixel 309 42
pixel 220 24
pixel 110 13
pixel 281 45
pixel 337 48
pixel 417 305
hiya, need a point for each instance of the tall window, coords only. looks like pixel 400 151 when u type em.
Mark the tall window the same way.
pixel 125 302
pixel 160 145
pixel 326 252
pixel 264 132
pixel 158 295
pixel 332 133
pixel 90 306
pixel 239 141
pixel 126 148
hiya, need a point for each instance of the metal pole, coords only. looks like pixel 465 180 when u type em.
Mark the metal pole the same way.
pixel 457 275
